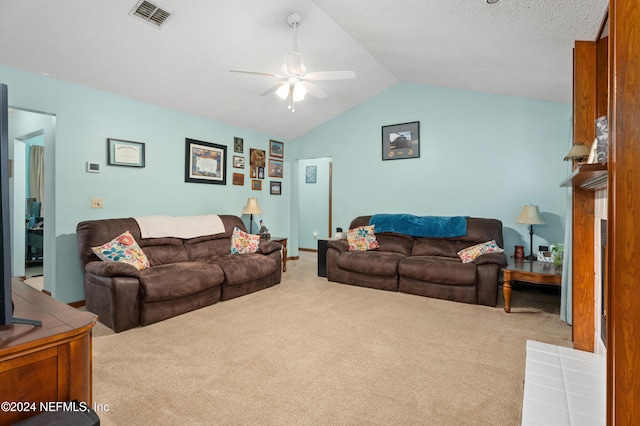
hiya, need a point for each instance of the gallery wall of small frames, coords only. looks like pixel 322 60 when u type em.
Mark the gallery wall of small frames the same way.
pixel 260 165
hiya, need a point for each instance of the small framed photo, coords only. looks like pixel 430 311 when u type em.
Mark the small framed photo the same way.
pixel 311 174
pixel 238 179
pixel 275 188
pixel 401 141
pixel 205 162
pixel 256 185
pixel 275 168
pixel 238 162
pixel 276 149
pixel 238 145
pixel 125 153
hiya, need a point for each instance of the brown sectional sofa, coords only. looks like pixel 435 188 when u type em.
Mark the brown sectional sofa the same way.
pixel 185 274
pixel 425 266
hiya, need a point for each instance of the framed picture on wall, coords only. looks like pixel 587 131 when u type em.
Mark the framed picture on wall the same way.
pixel 275 188
pixel 256 185
pixel 238 179
pixel 125 153
pixel 238 145
pixel 401 141
pixel 275 168
pixel 311 174
pixel 276 149
pixel 238 162
pixel 205 162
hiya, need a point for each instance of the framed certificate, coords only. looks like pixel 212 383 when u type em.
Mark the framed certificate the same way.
pixel 125 153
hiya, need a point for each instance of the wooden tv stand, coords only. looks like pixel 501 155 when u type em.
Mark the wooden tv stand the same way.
pixel 48 363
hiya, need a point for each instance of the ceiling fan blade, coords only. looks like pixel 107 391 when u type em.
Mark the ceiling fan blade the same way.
pixel 314 90
pixel 330 75
pixel 294 63
pixel 272 89
pixel 268 74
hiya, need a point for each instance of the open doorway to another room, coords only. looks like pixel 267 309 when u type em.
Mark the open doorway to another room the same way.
pixel 314 202
pixel 28 133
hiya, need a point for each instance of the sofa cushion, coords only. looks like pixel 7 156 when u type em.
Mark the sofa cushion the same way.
pixel 370 262
pixel 469 254
pixel 442 270
pixel 362 238
pixel 243 242
pixel 437 247
pixel 242 268
pixel 176 280
pixel 123 248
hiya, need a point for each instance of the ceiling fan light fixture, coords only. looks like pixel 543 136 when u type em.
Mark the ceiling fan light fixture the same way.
pixel 299 90
pixel 283 91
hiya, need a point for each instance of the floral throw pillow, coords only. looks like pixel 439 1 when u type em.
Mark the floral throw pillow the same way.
pixel 362 238
pixel 470 253
pixel 123 248
pixel 243 242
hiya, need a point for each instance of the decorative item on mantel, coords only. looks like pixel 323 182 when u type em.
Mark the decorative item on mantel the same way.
pixel 251 208
pixel 578 153
pixel 531 216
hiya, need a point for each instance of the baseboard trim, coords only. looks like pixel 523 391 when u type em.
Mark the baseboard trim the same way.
pixel 309 250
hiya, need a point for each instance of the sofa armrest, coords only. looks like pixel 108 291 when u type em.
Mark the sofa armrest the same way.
pixel 267 247
pixel 340 245
pixel 112 269
pixel 492 257
pixel 116 300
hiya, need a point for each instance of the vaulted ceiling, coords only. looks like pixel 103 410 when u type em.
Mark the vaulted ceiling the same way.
pixel 513 47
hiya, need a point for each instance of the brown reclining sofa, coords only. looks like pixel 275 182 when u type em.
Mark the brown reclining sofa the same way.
pixel 184 274
pixel 424 266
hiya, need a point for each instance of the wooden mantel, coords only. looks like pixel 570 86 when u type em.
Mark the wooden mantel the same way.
pixel 588 177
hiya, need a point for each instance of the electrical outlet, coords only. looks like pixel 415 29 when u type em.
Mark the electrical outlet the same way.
pixel 96 203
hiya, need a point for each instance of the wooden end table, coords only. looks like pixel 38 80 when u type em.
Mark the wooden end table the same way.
pixel 531 272
pixel 283 241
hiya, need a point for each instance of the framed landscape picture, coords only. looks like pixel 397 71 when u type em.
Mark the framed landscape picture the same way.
pixel 256 185
pixel 276 149
pixel 401 141
pixel 275 188
pixel 205 162
pixel 275 168
pixel 238 162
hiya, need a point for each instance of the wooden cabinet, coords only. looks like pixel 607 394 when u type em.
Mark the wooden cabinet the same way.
pixel 47 363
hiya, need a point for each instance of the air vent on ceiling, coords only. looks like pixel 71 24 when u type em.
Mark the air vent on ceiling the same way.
pixel 150 13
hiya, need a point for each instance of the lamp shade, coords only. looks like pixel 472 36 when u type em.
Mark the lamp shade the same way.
pixel 530 215
pixel 252 207
pixel 578 151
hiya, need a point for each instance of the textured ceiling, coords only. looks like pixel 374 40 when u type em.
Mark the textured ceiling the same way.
pixel 514 47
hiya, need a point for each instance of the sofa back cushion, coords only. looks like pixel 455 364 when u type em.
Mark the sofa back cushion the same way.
pixel 159 251
pixel 479 230
pixel 388 241
pixel 203 248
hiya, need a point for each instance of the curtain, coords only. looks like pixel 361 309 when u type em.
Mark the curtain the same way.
pixel 36 175
pixel 566 293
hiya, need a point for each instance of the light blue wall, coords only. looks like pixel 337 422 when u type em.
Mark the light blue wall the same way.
pixel 313 199
pixel 85 118
pixel 481 155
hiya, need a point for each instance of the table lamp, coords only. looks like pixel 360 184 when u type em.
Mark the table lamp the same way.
pixel 531 216
pixel 251 208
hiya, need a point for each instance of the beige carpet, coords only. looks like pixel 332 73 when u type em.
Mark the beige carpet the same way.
pixel 310 352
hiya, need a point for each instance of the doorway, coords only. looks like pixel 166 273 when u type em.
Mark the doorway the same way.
pixel 29 133
pixel 314 202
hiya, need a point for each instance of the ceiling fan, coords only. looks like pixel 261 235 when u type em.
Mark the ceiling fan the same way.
pixel 294 81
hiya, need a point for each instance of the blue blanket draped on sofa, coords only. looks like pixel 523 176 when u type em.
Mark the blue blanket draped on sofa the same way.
pixel 420 226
